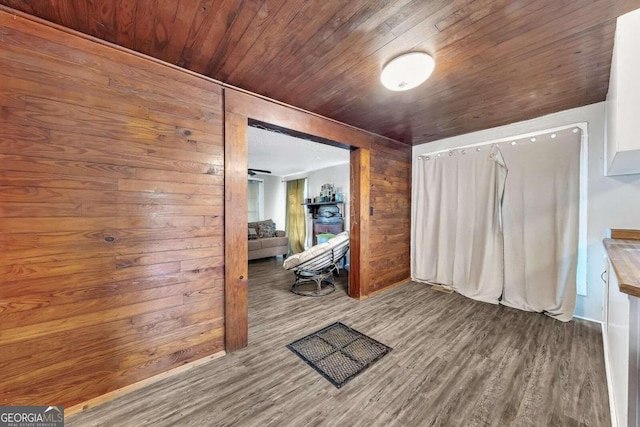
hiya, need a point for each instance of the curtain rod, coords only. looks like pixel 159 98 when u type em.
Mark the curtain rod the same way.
pixel 580 125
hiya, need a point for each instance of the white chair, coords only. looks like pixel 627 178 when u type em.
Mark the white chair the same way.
pixel 317 264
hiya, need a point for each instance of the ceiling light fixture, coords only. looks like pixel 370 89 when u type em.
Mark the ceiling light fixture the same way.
pixel 407 71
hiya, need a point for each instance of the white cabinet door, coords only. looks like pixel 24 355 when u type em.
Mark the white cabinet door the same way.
pixel 617 324
pixel 634 362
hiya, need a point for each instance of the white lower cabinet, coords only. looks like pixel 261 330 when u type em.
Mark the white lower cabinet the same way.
pixel 622 345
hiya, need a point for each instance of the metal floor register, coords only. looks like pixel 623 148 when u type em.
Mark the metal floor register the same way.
pixel 338 352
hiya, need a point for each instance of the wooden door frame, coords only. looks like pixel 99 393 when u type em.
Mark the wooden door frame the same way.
pixel 239 108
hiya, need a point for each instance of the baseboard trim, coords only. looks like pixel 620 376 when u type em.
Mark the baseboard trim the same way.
pixel 588 319
pixel 140 384
pixel 607 370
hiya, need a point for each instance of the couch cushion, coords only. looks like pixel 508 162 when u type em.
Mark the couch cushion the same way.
pixel 266 228
pixel 335 241
pixel 255 245
pixel 253 234
pixel 298 259
pixel 255 223
pixel 314 251
pixel 274 241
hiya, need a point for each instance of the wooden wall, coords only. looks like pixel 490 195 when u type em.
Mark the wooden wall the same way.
pixel 112 201
pixel 390 225
pixel 111 216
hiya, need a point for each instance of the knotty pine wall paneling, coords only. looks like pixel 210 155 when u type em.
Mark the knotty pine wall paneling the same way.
pixel 111 216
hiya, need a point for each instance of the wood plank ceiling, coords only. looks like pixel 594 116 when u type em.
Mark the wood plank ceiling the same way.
pixel 497 61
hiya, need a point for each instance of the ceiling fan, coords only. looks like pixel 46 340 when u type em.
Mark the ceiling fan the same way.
pixel 253 172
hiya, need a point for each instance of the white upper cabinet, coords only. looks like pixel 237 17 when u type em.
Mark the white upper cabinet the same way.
pixel 622 154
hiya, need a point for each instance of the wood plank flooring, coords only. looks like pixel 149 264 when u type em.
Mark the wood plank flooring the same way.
pixel 456 362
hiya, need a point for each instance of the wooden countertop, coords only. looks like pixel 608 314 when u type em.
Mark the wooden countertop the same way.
pixel 625 258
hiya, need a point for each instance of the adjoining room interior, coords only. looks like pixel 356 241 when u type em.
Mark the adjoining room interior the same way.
pixel 473 258
pixel 286 158
pixel 276 161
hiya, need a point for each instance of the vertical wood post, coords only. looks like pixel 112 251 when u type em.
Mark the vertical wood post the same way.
pixel 359 223
pixel 235 229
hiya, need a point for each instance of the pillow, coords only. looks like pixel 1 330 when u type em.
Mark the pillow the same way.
pixel 253 234
pixel 266 229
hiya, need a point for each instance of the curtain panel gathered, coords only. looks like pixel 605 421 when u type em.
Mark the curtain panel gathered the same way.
pixel 295 215
pixel 501 224
pixel 458 242
pixel 540 215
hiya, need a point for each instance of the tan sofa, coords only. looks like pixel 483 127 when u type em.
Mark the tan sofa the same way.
pixel 265 246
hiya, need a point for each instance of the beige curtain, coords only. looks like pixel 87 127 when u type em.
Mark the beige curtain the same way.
pixel 296 227
pixel 540 217
pixel 457 237
pixel 524 246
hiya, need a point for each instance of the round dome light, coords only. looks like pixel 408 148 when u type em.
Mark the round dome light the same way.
pixel 407 71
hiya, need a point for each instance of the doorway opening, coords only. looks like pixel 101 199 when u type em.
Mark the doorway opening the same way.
pixel 298 197
pixel 242 111
pixel 317 168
